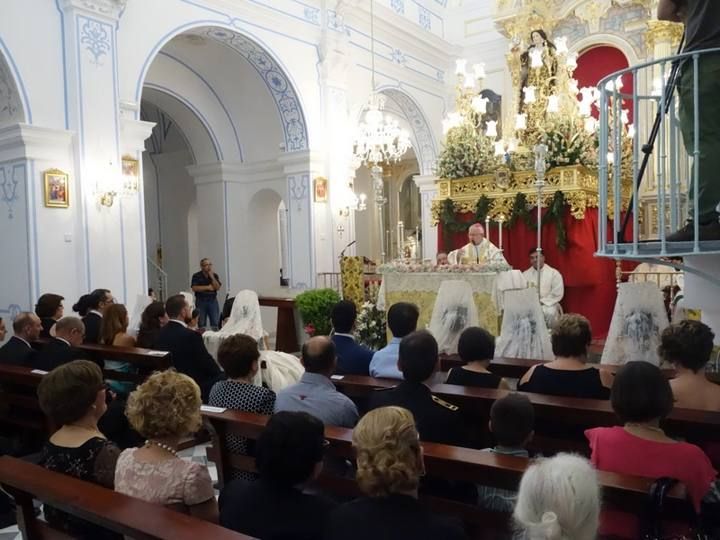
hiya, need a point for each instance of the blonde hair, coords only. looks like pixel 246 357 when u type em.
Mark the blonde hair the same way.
pixel 114 322
pixel 387 448
pixel 167 404
pixel 559 499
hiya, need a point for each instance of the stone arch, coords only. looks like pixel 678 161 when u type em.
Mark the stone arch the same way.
pixel 269 69
pixel 14 106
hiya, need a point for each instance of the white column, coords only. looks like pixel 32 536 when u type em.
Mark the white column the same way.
pixel 90 30
pixel 701 294
pixel 428 192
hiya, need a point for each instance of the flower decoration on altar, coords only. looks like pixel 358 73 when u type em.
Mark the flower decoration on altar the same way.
pixel 429 267
pixel 371 327
pixel 550 109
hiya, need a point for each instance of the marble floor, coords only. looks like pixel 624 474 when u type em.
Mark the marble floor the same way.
pixel 196 454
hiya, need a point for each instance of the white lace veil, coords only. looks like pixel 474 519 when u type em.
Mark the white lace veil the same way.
pixel 141 302
pixel 523 333
pixel 189 298
pixel 453 312
pixel 637 322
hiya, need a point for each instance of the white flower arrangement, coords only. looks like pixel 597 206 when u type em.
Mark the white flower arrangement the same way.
pixel 370 327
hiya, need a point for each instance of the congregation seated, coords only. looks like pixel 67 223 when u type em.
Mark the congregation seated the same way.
pixel 113 332
pixel 315 393
pixel 437 420
pixel 91 307
pixel 352 358
pixel 238 355
pixel 153 318
pixel 164 409
pixel 50 309
pixel 687 346
pixel 476 349
pixel 389 466
pixel 73 397
pixel 188 351
pixel 63 348
pixel 289 455
pixel 558 499
pixel 568 374
pixel 642 398
pixel 402 319
pixel 511 423
pixel 17 351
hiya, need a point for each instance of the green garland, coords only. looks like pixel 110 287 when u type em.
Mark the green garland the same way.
pixel 520 210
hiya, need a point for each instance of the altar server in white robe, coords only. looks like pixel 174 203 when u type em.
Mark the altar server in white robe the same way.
pixel 479 250
pixel 552 288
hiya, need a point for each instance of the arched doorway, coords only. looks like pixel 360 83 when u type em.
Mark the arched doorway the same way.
pixel 238 116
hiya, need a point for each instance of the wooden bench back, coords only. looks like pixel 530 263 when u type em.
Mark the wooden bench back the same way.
pixel 18 398
pixel 101 506
pixel 450 462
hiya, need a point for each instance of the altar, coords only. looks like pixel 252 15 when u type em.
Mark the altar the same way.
pixel 419 284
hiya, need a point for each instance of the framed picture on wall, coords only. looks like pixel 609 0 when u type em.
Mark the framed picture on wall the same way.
pixel 57 188
pixel 130 173
pixel 320 189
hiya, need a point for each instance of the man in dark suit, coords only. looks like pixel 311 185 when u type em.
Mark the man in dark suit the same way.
pixel 189 354
pixel 352 358
pixel 26 329
pixel 69 333
pixel 98 301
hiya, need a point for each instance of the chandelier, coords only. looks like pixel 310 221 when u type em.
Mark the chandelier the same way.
pixel 379 137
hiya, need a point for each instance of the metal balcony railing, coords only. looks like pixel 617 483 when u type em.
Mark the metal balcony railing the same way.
pixel 668 193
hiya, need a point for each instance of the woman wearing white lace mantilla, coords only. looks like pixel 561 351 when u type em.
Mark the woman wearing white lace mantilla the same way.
pixel 277 369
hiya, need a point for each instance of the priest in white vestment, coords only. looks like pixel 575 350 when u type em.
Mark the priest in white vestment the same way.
pixel 479 250
pixel 552 288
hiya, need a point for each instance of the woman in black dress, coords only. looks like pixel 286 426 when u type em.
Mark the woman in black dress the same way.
pixel 569 375
pixel 50 309
pixel 238 355
pixel 73 396
pixel 476 348
pixel 152 320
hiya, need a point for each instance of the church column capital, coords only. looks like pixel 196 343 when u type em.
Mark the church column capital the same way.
pixel 107 9
pixel 133 134
pixel 663 32
pixel 33 142
pixel 426 182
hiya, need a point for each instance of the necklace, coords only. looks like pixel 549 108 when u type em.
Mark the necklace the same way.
pixel 164 446
pixel 635 425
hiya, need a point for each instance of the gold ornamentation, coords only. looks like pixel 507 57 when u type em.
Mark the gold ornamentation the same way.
pixel 663 31
pixel 351 273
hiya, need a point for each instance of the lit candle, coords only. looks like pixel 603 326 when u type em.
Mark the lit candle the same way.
pixel 500 223
pixel 487 225
pixel 479 70
pixel 460 66
pixel 521 121
pixel 553 104
pixel 561 45
pixel 536 58
pixel 479 104
pixel 529 92
pixel 491 129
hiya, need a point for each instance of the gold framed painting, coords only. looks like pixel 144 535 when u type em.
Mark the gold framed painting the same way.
pixel 57 188
pixel 320 189
pixel 130 166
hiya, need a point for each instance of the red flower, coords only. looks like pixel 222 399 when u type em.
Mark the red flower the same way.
pixel 310 330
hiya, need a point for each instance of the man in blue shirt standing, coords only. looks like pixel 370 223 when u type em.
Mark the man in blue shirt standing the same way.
pixel 315 393
pixel 352 358
pixel 402 320
pixel 205 285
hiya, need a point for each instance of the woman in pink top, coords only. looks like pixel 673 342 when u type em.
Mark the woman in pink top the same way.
pixel 164 409
pixel 641 397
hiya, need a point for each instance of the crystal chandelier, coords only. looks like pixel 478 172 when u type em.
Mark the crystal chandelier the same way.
pixel 379 137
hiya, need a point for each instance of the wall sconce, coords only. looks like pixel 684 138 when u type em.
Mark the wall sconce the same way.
pixel 126 183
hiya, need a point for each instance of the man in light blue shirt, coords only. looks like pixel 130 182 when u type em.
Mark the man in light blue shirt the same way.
pixel 315 393
pixel 402 320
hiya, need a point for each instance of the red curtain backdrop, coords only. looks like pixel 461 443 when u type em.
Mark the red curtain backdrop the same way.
pixel 599 62
pixel 590 283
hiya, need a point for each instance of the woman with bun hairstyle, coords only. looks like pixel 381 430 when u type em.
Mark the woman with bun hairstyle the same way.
pixel 559 499
pixel 389 467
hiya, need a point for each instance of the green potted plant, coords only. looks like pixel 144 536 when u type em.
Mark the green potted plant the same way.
pixel 315 307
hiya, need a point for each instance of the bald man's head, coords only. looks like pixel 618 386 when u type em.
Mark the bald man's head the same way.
pixel 476 233
pixel 318 355
pixel 27 326
pixel 70 329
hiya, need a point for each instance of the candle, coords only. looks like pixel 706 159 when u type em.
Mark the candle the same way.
pixel 479 104
pixel 521 121
pixel 487 225
pixel 479 70
pixel 553 104
pixel 491 129
pixel 500 222
pixel 529 92
pixel 400 239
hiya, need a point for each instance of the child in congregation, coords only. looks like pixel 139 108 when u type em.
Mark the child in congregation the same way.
pixel 511 422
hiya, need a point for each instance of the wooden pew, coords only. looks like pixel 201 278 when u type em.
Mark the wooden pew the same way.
pixel 695 425
pixel 285 332
pixel 18 399
pixel 101 506
pixel 455 463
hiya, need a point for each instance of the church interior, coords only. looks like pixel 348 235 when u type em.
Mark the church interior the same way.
pixel 318 269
